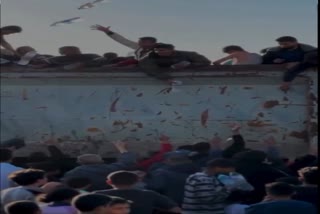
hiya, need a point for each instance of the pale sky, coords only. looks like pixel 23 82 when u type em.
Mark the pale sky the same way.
pixel 205 26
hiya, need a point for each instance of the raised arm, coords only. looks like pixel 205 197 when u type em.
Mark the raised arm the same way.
pixel 6 45
pixel 116 37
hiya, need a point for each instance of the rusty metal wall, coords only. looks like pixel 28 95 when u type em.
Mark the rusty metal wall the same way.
pixel 87 111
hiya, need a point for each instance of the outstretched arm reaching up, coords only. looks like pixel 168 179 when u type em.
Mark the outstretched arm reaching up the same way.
pixel 6 45
pixel 116 37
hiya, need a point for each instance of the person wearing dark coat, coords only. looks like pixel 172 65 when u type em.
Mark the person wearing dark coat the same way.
pixel 170 179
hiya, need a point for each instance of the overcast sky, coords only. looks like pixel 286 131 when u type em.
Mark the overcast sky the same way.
pixel 200 25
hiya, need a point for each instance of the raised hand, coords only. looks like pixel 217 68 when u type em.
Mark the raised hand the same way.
pixel 121 146
pixel 101 28
pixel 235 127
pixel 270 141
pixel 164 138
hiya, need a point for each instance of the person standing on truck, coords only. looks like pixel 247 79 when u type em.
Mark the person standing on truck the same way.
pixel 142 48
pixel 299 57
pixel 8 30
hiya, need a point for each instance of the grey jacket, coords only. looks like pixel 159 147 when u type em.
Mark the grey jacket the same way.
pixel 98 173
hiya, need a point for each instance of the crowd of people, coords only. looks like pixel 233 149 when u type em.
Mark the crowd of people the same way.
pixel 213 177
pixel 157 59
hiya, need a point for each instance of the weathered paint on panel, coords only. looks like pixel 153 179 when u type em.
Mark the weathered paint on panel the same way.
pixel 86 111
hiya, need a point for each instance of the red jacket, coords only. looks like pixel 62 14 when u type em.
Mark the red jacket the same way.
pixel 158 157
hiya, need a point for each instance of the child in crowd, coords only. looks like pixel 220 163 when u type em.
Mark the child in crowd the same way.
pixel 59 201
pixel 101 204
pixel 239 56
pixel 22 207
pixel 81 184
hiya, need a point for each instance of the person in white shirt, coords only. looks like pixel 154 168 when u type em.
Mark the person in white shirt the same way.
pixel 239 56
pixel 6 168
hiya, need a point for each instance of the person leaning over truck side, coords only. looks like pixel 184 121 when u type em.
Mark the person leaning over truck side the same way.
pixel 299 57
pixel 239 56
pixel 165 57
pixel 142 48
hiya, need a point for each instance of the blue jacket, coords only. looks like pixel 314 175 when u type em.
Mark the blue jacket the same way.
pixel 282 207
pixel 170 180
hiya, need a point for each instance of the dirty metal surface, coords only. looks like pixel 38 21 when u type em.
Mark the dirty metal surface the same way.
pixel 87 111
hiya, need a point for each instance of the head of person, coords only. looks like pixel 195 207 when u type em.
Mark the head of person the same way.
pixel 23 50
pixel 110 55
pixel 279 190
pixel 29 177
pixel 238 197
pixel 232 49
pixel 37 157
pixel 147 42
pixel 100 204
pixel 89 159
pixel 80 183
pixel 309 175
pixel 69 50
pixel 51 186
pixel 50 168
pixel 13 144
pixel 59 195
pixel 6 30
pixel 5 155
pixel 220 166
pixel 123 179
pixel 25 207
pixel 202 147
pixel 287 42
pixel 164 50
pixel 177 157
pixel 185 148
pixel 290 180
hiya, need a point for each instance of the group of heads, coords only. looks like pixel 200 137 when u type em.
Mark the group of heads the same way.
pixel 85 203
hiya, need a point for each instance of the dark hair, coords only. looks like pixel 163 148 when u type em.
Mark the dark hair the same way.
pixel 147 38
pixel 202 147
pixel 221 162
pixel 164 46
pixel 117 200
pixel 45 166
pixel 89 202
pixel 185 147
pixel 230 48
pixel 25 207
pixel 238 196
pixel 110 54
pixel 17 143
pixel 37 157
pixel 27 176
pixel 78 182
pixel 13 28
pixel 290 180
pixel 123 178
pixel 279 189
pixel 311 176
pixel 286 39
pixel 59 195
pixel 5 155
